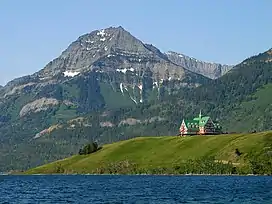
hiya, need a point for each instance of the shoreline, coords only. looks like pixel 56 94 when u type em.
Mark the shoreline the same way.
pixel 89 174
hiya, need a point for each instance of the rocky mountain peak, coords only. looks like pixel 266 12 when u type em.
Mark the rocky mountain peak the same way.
pixel 105 41
pixel 91 47
pixel 208 69
pixel 110 50
pixel 269 51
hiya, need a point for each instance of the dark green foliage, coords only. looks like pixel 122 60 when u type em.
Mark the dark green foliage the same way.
pixel 237 152
pixel 90 96
pixel 59 169
pixel 89 148
pixel 261 164
pixel 147 84
pixel 51 91
pixel 198 166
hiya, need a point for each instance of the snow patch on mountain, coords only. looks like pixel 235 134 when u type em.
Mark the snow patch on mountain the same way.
pixel 70 73
pixel 121 88
pixel 155 84
pixel 125 70
pixel 133 100
pixel 101 33
pixel 89 41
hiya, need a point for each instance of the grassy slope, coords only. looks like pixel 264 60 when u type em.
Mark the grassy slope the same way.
pixel 150 152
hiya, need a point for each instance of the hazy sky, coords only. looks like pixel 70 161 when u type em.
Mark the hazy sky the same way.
pixel 227 31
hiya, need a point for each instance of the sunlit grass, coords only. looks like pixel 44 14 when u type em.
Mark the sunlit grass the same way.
pixel 150 152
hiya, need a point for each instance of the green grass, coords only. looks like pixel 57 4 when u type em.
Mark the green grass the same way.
pixel 153 152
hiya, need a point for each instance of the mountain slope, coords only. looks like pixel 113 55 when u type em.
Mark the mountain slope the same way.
pixel 105 50
pixel 257 111
pixel 109 59
pixel 225 97
pixel 211 70
pixel 104 70
pixel 145 154
pixel 113 56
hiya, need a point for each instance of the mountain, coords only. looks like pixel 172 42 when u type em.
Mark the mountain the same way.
pixel 114 56
pixel 211 70
pixel 108 86
pixel 103 71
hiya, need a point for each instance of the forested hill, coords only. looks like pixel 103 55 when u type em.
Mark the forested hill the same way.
pixel 239 83
pixel 241 98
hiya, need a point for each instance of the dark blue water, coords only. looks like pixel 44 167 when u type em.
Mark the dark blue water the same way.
pixel 135 189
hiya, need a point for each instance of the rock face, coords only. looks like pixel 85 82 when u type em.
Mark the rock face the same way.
pixel 110 50
pixel 111 56
pixel 38 105
pixel 129 121
pixel 211 70
pixel 114 49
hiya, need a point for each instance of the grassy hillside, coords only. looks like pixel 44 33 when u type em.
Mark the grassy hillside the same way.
pixel 146 154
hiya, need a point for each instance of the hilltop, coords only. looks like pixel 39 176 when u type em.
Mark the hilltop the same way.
pixel 235 153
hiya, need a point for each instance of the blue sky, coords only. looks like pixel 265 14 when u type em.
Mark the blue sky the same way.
pixel 225 31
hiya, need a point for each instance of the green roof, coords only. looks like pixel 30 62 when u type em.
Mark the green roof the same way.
pixel 188 122
pixel 192 125
pixel 203 121
pixel 196 119
pixel 197 122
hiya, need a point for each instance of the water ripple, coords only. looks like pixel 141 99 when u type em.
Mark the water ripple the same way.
pixel 135 189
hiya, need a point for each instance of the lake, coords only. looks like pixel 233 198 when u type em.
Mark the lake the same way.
pixel 135 189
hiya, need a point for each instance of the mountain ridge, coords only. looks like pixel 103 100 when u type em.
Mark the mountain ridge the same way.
pixel 98 43
pixel 115 57
pixel 208 69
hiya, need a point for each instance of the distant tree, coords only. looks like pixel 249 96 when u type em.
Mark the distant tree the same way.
pixel 80 152
pixel 89 148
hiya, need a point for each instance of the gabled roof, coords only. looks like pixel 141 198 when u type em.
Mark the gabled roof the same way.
pixel 192 125
pixel 189 122
pixel 203 121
